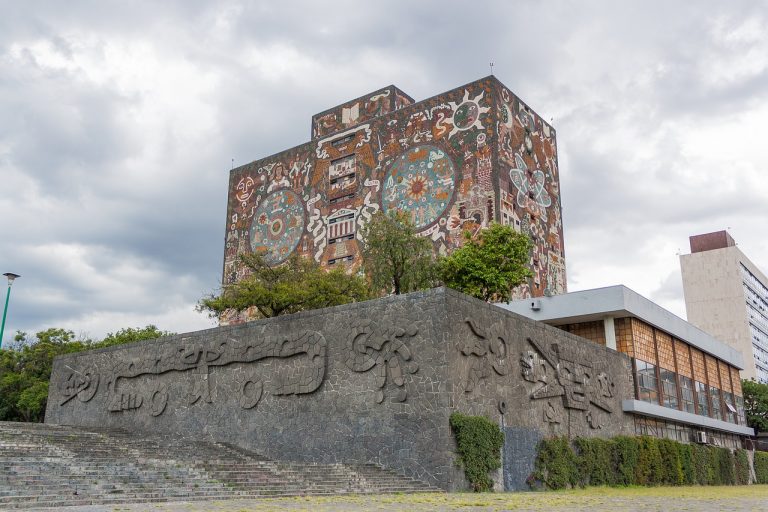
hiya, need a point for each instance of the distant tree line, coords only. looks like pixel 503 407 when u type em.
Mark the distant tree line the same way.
pixel 25 366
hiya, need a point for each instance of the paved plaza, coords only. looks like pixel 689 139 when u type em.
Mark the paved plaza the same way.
pixel 665 499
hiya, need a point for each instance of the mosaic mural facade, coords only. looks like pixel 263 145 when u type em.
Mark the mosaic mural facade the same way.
pixel 455 162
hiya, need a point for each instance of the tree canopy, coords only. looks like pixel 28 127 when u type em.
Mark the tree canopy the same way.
pixel 490 266
pixel 26 364
pixel 756 404
pixel 395 259
pixel 298 284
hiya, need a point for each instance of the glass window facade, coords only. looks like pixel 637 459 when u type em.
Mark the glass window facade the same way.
pixel 683 433
pixel 740 410
pixel 756 295
pixel 686 395
pixel 702 399
pixel 717 411
pixel 647 383
pixel 730 407
pixel 668 388
pixel 674 374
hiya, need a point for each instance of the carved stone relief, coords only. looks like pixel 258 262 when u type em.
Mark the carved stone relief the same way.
pixel 383 350
pixel 82 385
pixel 562 371
pixel 307 350
pixel 486 351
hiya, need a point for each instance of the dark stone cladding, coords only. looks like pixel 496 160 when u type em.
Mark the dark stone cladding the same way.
pixel 371 382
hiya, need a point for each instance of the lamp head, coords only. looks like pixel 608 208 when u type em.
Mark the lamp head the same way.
pixel 11 276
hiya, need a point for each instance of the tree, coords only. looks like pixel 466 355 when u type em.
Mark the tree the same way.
pixel 25 366
pixel 395 259
pixel 490 266
pixel 756 404
pixel 297 285
pixel 25 370
pixel 131 335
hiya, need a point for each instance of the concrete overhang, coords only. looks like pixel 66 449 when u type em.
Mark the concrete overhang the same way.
pixel 665 413
pixel 619 301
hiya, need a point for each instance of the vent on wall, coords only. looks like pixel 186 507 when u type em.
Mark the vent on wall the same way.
pixel 536 305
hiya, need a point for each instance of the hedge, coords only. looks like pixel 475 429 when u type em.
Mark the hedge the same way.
pixel 761 467
pixel 479 443
pixel 639 460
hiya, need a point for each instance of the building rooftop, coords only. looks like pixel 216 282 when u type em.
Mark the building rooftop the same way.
pixel 620 301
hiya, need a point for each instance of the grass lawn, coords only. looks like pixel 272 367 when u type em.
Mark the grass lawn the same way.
pixel 751 498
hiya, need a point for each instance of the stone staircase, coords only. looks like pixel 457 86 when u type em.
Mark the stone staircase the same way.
pixel 45 465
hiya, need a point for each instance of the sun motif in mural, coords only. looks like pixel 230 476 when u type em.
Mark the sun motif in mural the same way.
pixel 421 182
pixel 530 185
pixel 277 226
pixel 466 114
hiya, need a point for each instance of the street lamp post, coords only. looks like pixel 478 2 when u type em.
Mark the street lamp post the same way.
pixel 11 276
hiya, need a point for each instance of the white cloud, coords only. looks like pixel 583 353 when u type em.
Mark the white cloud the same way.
pixel 123 120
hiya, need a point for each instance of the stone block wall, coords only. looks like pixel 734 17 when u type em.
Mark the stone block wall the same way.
pixel 368 382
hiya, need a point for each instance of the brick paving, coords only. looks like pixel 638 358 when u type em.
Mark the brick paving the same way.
pixel 689 499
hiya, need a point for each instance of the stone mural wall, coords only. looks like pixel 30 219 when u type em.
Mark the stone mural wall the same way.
pixel 455 162
pixel 369 382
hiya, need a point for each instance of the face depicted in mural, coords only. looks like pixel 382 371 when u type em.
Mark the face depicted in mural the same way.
pixel 421 182
pixel 277 226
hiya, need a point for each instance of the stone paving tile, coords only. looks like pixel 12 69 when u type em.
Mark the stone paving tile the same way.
pixel 687 499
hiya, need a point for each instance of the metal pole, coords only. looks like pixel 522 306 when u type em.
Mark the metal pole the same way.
pixel 5 312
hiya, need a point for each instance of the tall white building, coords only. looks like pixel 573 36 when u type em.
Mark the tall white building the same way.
pixel 726 295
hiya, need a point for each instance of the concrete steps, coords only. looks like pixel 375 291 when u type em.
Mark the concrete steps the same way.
pixel 45 465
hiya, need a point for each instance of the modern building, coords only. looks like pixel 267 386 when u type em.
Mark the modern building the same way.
pixel 455 162
pixel 726 295
pixel 686 382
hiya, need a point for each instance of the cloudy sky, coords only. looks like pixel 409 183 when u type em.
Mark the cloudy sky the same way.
pixel 119 122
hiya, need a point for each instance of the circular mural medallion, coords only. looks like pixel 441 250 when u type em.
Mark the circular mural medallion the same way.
pixel 277 226
pixel 421 182
pixel 466 115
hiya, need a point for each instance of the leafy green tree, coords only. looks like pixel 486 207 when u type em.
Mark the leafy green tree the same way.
pixel 299 284
pixel 25 369
pixel 131 335
pixel 490 266
pixel 25 366
pixel 395 259
pixel 756 404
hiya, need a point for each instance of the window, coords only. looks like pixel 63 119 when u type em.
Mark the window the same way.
pixel 340 260
pixel 686 394
pixel 669 388
pixel 647 383
pixel 740 410
pixel 717 412
pixel 343 140
pixel 341 226
pixel 342 178
pixel 730 408
pixel 701 395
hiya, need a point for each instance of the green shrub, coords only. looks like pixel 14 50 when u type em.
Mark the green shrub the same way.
pixel 648 470
pixel 479 442
pixel 625 453
pixel 594 461
pixel 671 463
pixel 742 467
pixel 703 467
pixel 761 467
pixel 686 463
pixel 640 461
pixel 556 465
pixel 724 466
